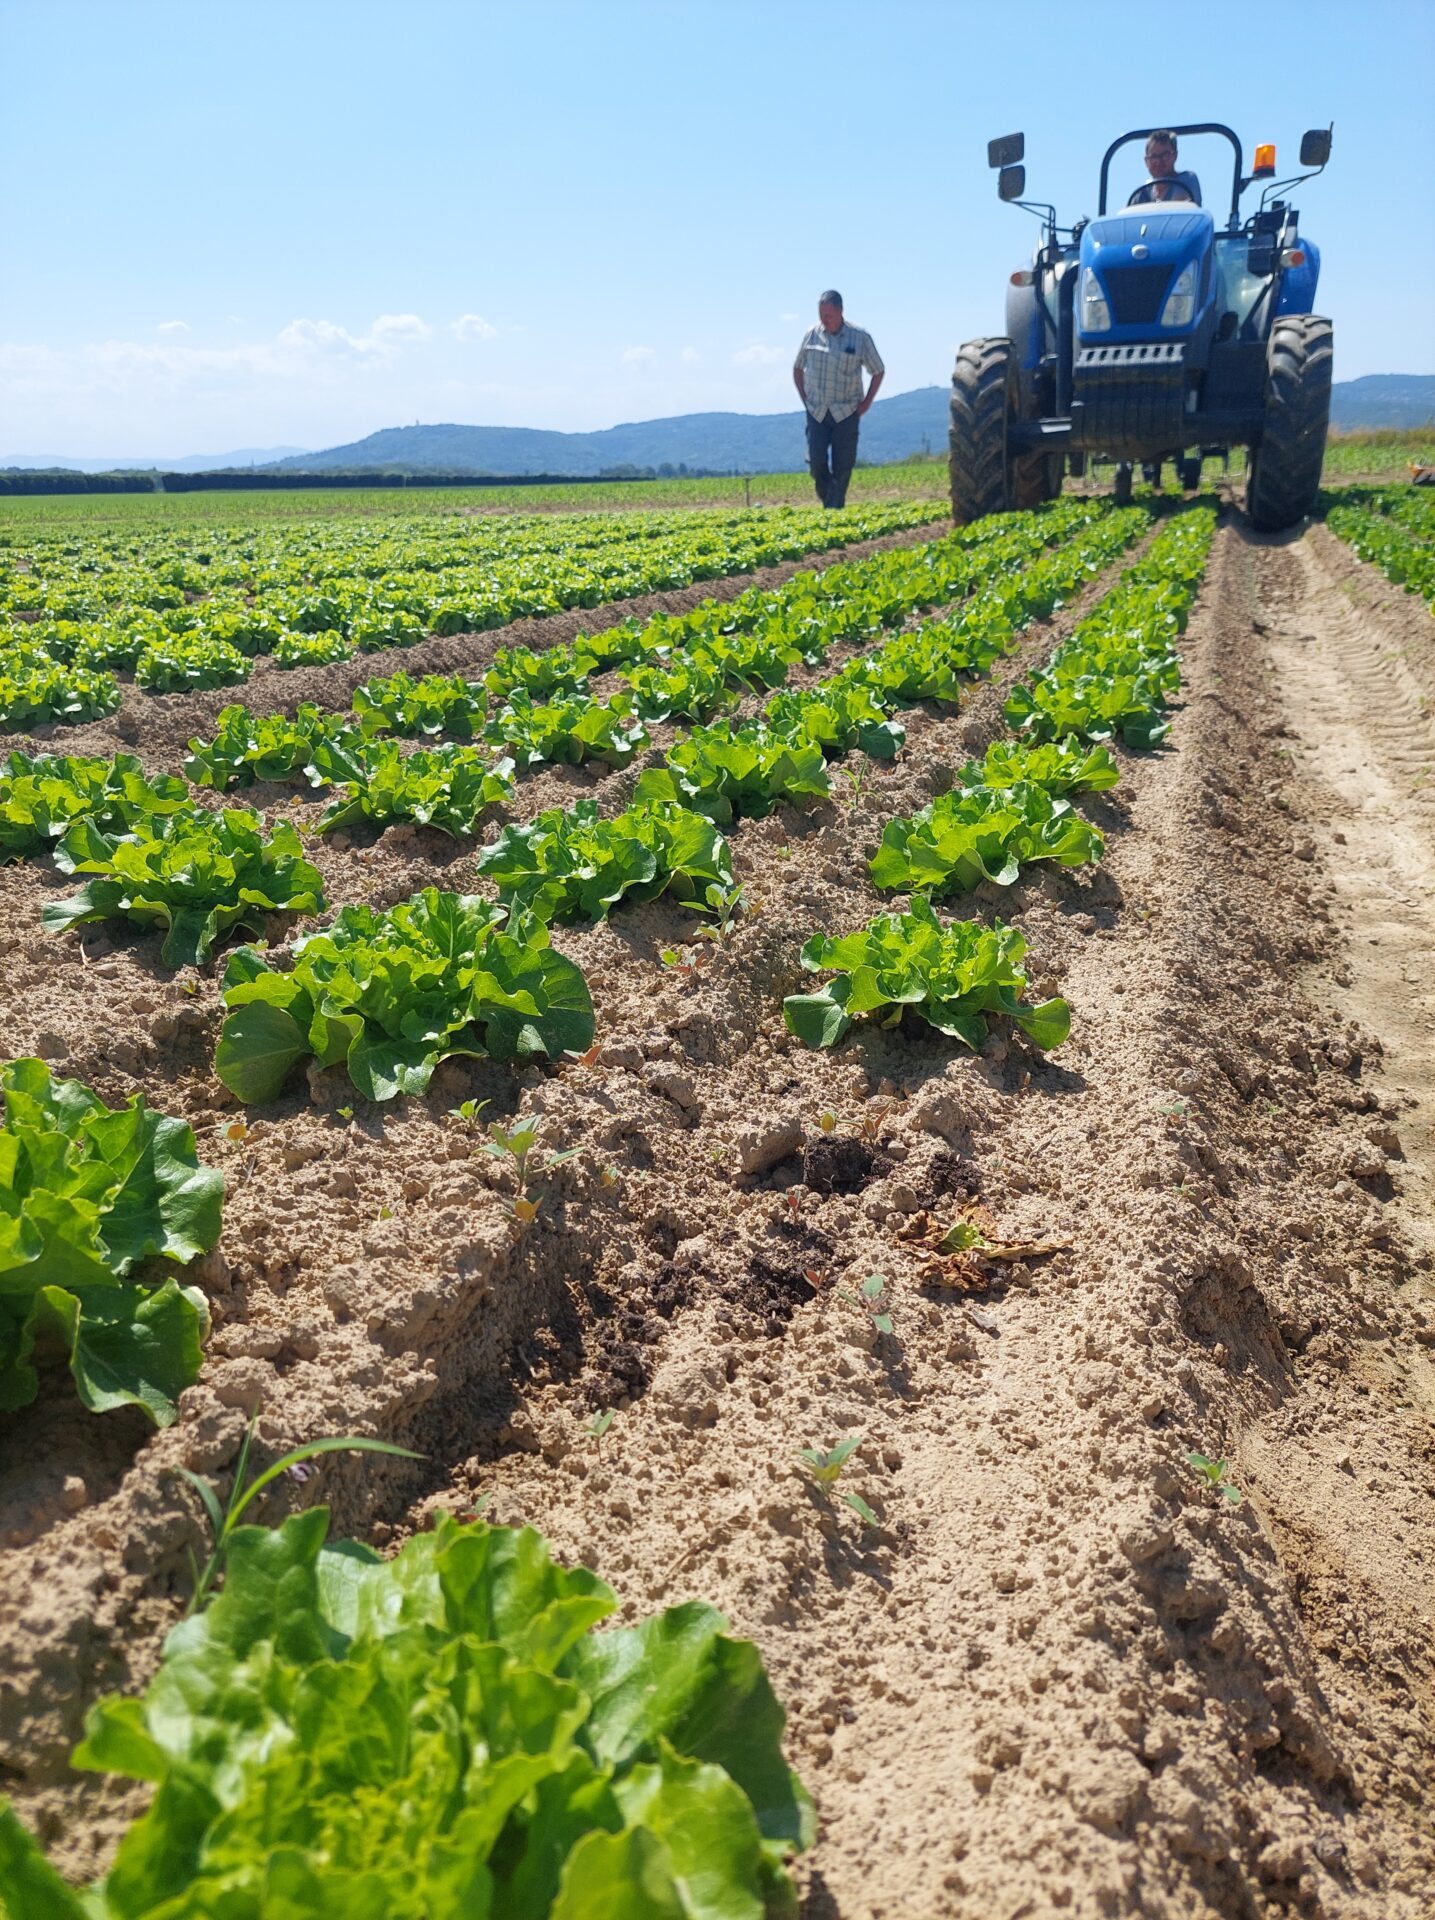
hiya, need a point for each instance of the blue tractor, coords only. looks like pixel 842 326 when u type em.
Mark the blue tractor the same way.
pixel 1148 334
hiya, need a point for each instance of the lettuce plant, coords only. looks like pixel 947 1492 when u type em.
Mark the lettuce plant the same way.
pixel 198 874
pixel 981 833
pixel 311 649
pixel 437 703
pixel 449 787
pixel 189 661
pixel 951 976
pixel 724 771
pixel 566 730
pixel 92 1201
pixel 41 798
pixel 392 994
pixel 1059 766
pixel 247 747
pixel 837 717
pixel 570 865
pixel 35 692
pixel 442 1736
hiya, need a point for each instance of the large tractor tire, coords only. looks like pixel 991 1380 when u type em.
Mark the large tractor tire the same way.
pixel 1036 478
pixel 984 401
pixel 1285 468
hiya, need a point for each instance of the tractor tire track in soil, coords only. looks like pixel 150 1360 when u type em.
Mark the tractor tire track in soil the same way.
pixel 1055 1678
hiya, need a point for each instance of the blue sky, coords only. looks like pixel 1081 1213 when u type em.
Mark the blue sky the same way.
pixel 238 223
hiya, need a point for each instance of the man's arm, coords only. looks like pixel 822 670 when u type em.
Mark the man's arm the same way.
pixel 872 361
pixel 799 379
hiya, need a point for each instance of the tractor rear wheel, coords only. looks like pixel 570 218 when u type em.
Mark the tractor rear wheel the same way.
pixel 984 402
pixel 1285 468
pixel 1036 478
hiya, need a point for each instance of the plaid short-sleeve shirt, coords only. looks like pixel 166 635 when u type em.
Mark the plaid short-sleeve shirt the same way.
pixel 831 366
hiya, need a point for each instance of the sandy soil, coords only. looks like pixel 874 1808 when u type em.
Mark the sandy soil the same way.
pixel 1057 1678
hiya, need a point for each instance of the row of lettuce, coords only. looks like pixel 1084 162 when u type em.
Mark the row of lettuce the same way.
pixel 1394 529
pixel 390 994
pixel 445 1733
pixel 178 629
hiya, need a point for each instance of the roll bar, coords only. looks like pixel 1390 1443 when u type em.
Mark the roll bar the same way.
pixel 1205 126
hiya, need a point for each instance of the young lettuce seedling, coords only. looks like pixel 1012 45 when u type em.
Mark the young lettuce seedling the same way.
pixel 1217 1476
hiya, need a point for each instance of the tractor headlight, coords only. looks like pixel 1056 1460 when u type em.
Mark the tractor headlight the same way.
pixel 1180 307
pixel 1095 314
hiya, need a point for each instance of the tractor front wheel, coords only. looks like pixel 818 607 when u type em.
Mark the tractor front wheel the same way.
pixel 1285 468
pixel 984 402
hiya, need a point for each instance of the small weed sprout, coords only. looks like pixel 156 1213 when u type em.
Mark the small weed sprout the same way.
pixel 874 1117
pixel 517 1147
pixel 876 1302
pixel 826 1466
pixel 223 1520
pixel 792 1200
pixel 827 1121
pixel 726 904
pixel 682 960
pixel 855 776
pixel 1217 1476
pixel 965 1235
pixel 345 1113
pixel 237 1132
pixel 599 1425
pixel 466 1114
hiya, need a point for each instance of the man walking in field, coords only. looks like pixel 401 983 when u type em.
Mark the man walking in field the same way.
pixel 828 374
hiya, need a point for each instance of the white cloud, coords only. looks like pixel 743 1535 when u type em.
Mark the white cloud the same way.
pixel 385 336
pixel 635 356
pixel 400 327
pixel 473 329
pixel 172 326
pixel 322 336
pixel 756 355
pixel 691 355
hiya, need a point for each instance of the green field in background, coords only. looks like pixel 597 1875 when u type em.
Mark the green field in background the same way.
pixel 1382 455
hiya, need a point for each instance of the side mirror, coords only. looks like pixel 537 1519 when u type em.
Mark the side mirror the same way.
pixel 1315 147
pixel 1011 183
pixel 1006 151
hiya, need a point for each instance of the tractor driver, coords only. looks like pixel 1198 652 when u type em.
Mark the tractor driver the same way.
pixel 1166 183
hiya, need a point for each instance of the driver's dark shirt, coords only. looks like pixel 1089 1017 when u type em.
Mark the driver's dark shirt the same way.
pixel 1145 195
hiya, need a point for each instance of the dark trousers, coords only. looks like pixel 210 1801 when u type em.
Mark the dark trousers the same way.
pixel 836 439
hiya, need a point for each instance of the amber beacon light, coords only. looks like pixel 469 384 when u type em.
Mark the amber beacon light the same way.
pixel 1265 163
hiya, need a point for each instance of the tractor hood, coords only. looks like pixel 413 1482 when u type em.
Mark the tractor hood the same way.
pixel 1135 283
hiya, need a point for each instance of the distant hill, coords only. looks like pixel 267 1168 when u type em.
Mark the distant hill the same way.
pixel 903 424
pixel 189 463
pixel 898 425
pixel 706 442
pixel 1383 400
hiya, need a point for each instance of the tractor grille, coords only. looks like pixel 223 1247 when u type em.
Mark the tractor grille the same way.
pixel 1136 294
